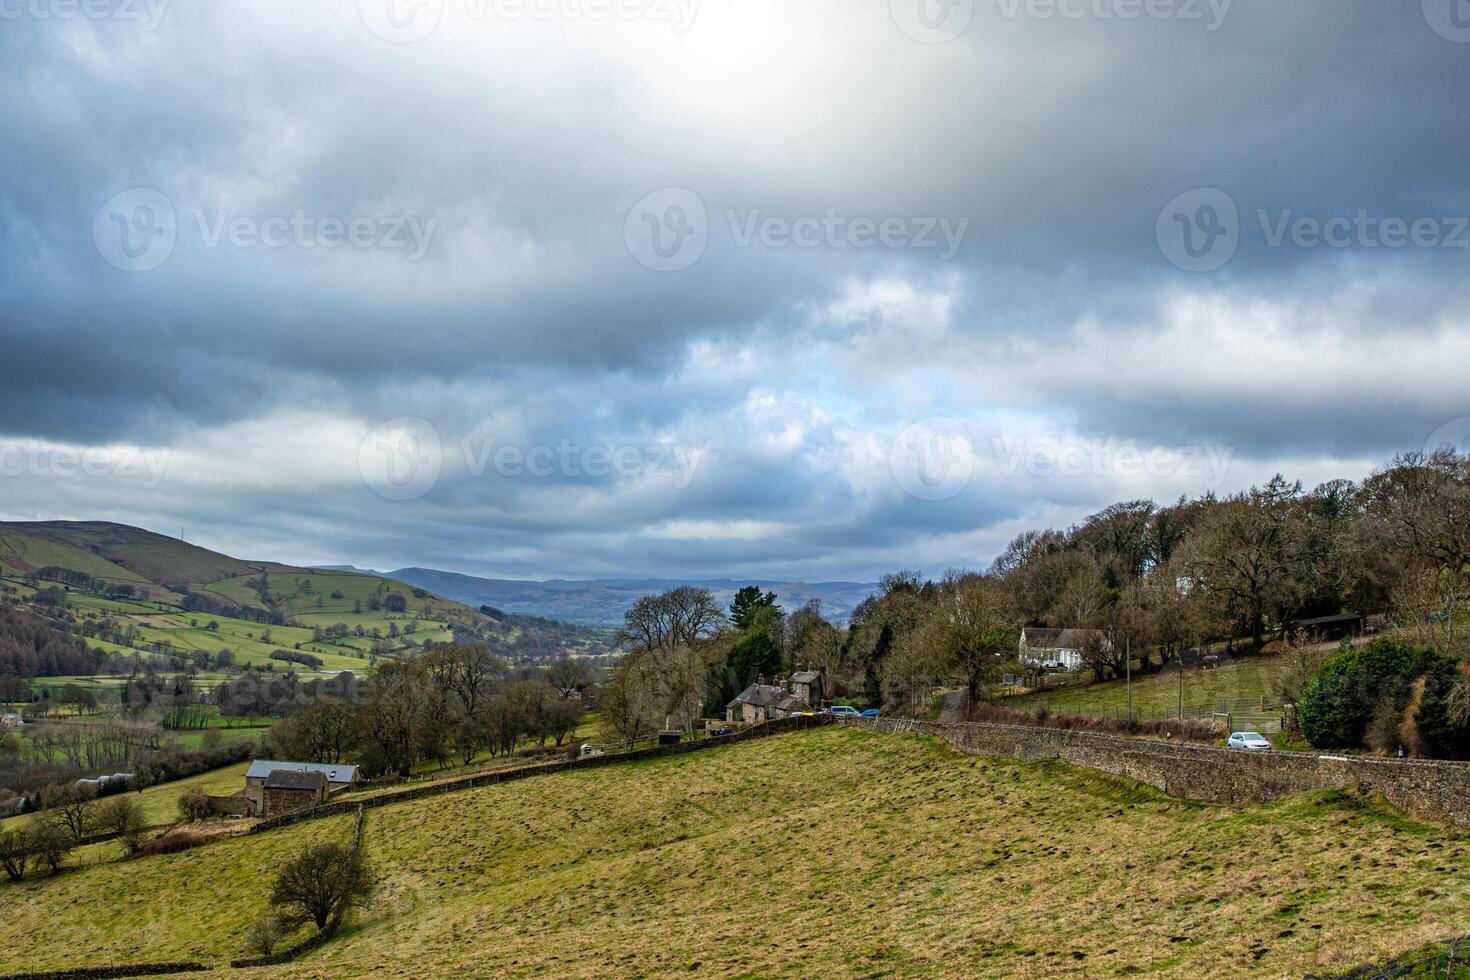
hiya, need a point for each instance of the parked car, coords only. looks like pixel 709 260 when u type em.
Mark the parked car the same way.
pixel 842 711
pixel 1248 740
pixel 870 713
pixel 727 730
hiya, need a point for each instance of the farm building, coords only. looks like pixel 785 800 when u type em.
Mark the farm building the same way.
pixel 1058 649
pixel 807 685
pixel 1326 628
pixel 755 704
pixel 768 702
pixel 287 790
pixel 338 777
pixel 11 720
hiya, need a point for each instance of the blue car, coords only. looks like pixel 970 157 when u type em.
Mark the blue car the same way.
pixel 870 713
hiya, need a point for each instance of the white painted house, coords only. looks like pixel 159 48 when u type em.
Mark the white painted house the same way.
pixel 1057 649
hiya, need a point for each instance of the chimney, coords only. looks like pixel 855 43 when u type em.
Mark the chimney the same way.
pixel 760 679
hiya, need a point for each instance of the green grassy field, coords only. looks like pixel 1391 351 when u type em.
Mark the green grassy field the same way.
pixel 1154 693
pixel 832 852
pixel 160 803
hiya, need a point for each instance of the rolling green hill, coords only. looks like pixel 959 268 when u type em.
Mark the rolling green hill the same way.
pixel 153 595
pixel 832 852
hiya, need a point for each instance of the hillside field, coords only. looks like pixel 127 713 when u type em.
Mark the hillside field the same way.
pixel 830 852
pixel 1158 692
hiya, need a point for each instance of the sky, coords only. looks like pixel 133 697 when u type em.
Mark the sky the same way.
pixel 707 288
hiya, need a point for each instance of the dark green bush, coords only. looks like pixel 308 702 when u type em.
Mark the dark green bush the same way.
pixel 1340 701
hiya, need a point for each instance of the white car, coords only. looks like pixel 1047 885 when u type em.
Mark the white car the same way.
pixel 842 711
pixel 1247 740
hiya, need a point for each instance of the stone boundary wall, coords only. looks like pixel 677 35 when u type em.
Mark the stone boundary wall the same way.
pixel 103 972
pixel 1428 789
pixel 351 805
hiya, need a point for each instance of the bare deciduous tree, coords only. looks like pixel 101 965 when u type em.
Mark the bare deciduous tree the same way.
pixel 322 883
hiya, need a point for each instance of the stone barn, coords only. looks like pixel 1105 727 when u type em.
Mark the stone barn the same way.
pixel 289 790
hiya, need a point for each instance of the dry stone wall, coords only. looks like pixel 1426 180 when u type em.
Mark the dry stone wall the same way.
pixel 1429 789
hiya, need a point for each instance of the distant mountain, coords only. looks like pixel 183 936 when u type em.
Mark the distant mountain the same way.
pixel 602 602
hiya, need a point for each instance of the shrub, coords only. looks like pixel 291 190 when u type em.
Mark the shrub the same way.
pixel 173 842
pixel 123 816
pixel 193 807
pixel 15 854
pixel 1384 695
pixel 50 842
pixel 265 933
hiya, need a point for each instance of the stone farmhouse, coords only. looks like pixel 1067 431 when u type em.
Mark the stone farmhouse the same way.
pixel 800 694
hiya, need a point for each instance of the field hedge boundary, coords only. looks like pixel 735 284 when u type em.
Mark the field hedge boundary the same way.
pixel 764 730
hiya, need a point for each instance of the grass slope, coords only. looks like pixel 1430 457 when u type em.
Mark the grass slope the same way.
pixel 1156 692
pixel 834 851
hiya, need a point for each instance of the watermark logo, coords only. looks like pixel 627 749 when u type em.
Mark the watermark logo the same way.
pixel 834 230
pixel 1211 13
pixel 668 230
pixel 1454 435
pixel 146 467
pixel 1362 230
pixel 407 21
pixel 676 465
pixel 401 21
pixel 401 459
pixel 1199 230
pixel 304 230
pixel 933 459
pixel 136 231
pixel 149 13
pixel 1206 465
pixel 1450 19
pixel 932 21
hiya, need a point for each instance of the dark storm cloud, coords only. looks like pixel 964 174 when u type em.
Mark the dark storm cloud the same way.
pixel 1057 141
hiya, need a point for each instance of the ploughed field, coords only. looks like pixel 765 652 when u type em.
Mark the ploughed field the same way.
pixel 833 851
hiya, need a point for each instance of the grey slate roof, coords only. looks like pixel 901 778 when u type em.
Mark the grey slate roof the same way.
pixel 1048 638
pixel 336 774
pixel 792 703
pixel 291 779
pixel 759 695
pixel 805 677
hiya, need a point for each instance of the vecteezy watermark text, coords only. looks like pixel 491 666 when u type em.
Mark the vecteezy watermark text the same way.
pixel 669 230
pixel 407 21
pixel 130 463
pixel 1211 13
pixel 1203 464
pixel 404 459
pixel 834 230
pixel 937 21
pixel 148 13
pixel 138 230
pixel 304 230
pixel 1200 230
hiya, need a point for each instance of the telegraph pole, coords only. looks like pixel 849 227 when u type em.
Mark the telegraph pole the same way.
pixel 1128 660
pixel 1181 687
